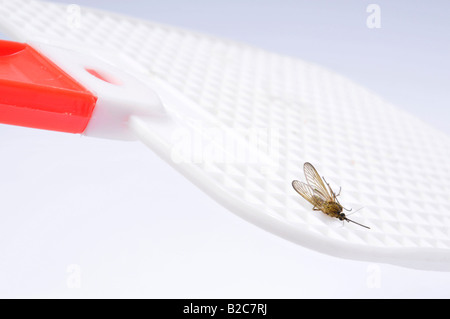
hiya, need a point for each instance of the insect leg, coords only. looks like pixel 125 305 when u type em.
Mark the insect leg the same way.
pixel 331 191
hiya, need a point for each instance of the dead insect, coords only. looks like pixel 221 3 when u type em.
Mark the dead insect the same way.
pixel 323 198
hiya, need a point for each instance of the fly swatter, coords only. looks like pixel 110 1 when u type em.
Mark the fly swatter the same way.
pixel 239 122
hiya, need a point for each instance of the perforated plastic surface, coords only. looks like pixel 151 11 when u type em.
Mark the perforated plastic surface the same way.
pixel 386 160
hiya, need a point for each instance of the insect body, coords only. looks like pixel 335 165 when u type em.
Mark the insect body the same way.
pixel 320 196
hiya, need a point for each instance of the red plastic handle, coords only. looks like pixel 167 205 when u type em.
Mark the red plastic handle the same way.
pixel 34 92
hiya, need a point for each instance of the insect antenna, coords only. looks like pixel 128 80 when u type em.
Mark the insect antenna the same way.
pixel 353 211
pixel 349 220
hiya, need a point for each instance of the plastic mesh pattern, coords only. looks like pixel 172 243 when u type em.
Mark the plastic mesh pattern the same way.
pixel 386 160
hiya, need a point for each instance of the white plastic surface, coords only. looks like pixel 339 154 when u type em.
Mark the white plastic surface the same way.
pixel 119 94
pixel 219 93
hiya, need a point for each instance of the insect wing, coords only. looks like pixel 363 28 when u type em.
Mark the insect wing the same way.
pixel 308 193
pixel 316 183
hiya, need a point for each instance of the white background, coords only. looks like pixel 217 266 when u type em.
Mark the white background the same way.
pixel 85 217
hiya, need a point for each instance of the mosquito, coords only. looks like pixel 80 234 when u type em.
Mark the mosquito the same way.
pixel 321 197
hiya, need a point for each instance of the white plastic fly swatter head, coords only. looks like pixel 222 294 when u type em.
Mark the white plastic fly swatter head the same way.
pixel 240 122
